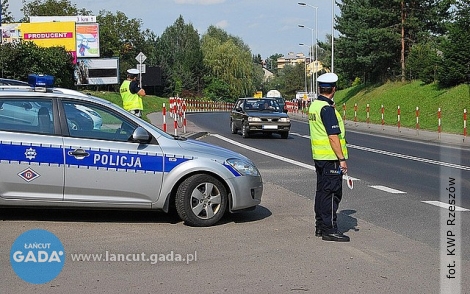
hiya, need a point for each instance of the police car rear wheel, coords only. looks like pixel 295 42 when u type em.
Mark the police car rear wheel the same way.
pixel 201 200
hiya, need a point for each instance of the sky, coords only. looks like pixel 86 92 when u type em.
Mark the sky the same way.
pixel 268 27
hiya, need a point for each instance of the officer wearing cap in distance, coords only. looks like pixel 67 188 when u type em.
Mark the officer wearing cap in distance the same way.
pixel 327 137
pixel 131 93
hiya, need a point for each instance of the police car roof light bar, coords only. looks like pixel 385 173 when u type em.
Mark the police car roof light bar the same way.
pixel 40 82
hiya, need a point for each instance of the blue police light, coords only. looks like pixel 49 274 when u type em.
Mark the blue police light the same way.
pixel 39 81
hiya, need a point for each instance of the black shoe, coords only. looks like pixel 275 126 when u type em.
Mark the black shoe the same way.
pixel 336 237
pixel 318 232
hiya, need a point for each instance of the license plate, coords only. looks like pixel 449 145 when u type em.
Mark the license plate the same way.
pixel 269 127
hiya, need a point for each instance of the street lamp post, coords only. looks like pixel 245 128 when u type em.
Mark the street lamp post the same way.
pixel 316 41
pixel 311 54
pixel 332 33
pixel 305 69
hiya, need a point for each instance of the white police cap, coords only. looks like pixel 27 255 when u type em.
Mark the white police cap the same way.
pixel 133 71
pixel 327 80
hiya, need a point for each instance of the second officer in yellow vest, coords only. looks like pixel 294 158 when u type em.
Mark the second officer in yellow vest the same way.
pixel 327 137
pixel 131 93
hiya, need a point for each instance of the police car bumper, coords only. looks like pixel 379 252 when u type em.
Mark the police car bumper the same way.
pixel 246 192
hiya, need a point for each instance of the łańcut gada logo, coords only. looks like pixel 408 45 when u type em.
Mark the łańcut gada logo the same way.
pixel 37 256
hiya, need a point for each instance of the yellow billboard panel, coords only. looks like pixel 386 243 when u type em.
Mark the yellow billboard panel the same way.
pixel 50 34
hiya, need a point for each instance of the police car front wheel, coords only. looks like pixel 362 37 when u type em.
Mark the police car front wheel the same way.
pixel 201 200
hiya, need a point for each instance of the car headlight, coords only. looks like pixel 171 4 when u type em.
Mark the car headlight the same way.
pixel 243 167
pixel 254 119
pixel 284 119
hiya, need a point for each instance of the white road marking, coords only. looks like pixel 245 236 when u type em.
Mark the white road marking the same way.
pixel 445 205
pixel 285 159
pixel 398 155
pixel 387 189
pixel 301 164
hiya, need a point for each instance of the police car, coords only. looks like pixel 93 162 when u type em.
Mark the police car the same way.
pixel 124 163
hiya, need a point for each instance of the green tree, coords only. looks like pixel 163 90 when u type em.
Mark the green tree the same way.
pixel 229 60
pixel 455 64
pixel 51 8
pixel 179 54
pixel 123 37
pixel 294 79
pixel 370 41
pixel 422 62
pixel 55 61
pixel 6 16
pixel 376 35
pixel 271 62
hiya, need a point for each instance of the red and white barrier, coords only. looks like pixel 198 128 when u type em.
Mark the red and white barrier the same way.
pixel 417 118
pixel 464 123
pixel 355 112
pixel 439 122
pixel 398 118
pixel 368 113
pixel 383 120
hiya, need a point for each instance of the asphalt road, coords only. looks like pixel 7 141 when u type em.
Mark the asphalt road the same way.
pixel 395 175
pixel 396 239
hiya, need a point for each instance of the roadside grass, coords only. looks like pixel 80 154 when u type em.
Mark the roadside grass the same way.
pixel 408 96
pixel 151 103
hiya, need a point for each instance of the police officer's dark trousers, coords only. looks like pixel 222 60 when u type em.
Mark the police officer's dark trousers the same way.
pixel 328 195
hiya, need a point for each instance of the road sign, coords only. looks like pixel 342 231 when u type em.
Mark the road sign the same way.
pixel 141 68
pixel 141 57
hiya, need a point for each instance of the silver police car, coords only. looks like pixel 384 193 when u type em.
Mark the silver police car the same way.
pixel 52 154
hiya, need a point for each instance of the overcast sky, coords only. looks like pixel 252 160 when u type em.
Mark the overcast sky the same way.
pixel 267 26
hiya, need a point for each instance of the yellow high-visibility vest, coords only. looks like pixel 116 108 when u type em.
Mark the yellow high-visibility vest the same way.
pixel 321 148
pixel 130 101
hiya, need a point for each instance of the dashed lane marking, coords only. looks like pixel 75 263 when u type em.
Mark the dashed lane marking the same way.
pixel 445 205
pixel 387 189
pixel 399 155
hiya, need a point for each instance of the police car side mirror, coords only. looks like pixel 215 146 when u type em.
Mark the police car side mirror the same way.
pixel 140 135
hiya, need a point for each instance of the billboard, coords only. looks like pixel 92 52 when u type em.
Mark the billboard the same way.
pixel 88 42
pixel 76 18
pixel 97 71
pixel 50 34
pixel 10 32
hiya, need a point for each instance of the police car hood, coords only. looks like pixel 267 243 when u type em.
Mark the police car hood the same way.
pixel 195 146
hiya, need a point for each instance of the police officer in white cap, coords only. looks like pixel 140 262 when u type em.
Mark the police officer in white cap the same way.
pixel 131 93
pixel 327 136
